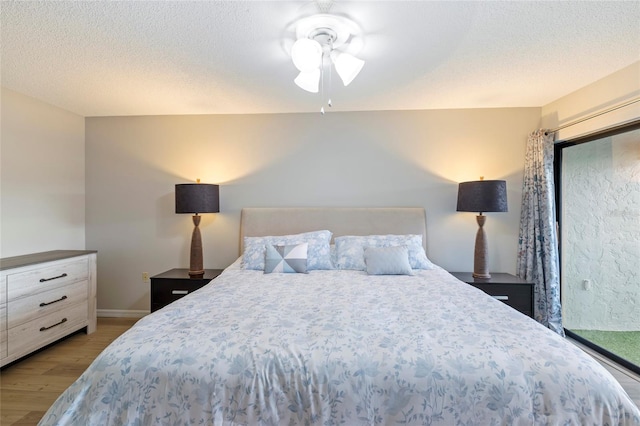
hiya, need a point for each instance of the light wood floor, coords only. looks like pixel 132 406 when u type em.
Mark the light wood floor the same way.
pixel 29 387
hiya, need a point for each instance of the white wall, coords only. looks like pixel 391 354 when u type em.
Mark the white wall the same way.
pixel 410 158
pixel 615 89
pixel 342 159
pixel 42 185
pixel 601 234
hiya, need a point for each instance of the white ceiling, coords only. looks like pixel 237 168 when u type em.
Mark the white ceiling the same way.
pixel 103 58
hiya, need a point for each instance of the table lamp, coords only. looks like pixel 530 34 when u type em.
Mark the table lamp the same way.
pixel 197 198
pixel 482 196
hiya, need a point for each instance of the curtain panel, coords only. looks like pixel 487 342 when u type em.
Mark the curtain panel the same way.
pixel 538 257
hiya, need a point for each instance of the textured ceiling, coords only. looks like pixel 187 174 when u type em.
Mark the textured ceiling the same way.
pixel 104 58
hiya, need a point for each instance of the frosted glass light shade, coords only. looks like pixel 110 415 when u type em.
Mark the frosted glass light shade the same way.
pixel 309 81
pixel 306 54
pixel 347 66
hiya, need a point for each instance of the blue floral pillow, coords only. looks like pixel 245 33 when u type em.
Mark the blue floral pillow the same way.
pixel 318 253
pixel 290 259
pixel 350 250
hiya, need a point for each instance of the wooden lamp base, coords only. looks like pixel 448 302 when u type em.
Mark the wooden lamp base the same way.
pixel 196 268
pixel 480 254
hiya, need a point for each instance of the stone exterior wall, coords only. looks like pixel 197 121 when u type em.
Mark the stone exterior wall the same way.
pixel 601 234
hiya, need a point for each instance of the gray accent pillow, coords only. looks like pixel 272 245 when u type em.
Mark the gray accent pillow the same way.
pixel 350 249
pixel 288 259
pixel 392 260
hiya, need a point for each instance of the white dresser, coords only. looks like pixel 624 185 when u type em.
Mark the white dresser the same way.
pixel 44 297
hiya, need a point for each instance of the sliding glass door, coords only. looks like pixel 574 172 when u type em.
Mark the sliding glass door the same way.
pixel 599 213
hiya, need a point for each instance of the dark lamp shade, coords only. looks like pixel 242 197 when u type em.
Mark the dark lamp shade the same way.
pixel 482 196
pixel 197 198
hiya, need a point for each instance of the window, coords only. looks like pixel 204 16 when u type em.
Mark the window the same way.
pixel 598 199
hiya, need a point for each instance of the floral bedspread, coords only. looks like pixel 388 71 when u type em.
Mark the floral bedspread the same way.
pixel 341 347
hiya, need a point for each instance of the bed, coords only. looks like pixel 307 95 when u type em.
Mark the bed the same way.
pixel 340 346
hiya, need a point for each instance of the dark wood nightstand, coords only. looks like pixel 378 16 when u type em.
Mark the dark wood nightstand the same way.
pixel 173 284
pixel 513 291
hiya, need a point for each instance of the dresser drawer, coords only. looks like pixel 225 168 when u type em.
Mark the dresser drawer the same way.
pixel 508 288
pixel 46 329
pixel 3 331
pixel 3 290
pixel 173 284
pixel 45 277
pixel 516 296
pixel 3 344
pixel 3 317
pixel 165 292
pixel 31 307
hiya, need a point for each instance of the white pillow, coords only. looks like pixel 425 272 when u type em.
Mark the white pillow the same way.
pixel 387 260
pixel 318 253
pixel 350 250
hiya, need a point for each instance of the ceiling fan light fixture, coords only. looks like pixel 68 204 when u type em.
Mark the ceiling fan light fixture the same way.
pixel 335 38
pixel 347 66
pixel 306 54
pixel 309 81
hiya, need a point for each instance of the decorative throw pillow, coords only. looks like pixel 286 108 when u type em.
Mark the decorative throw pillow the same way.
pixel 350 250
pixel 318 254
pixel 286 259
pixel 387 260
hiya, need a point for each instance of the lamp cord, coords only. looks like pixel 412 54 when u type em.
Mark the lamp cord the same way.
pixel 323 90
pixel 330 73
pixel 322 83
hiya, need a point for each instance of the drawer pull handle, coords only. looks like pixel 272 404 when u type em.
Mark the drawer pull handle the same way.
pixel 51 326
pixel 51 303
pixel 53 278
pixel 179 291
pixel 501 297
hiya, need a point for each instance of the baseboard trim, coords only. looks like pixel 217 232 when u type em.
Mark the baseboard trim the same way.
pixel 121 313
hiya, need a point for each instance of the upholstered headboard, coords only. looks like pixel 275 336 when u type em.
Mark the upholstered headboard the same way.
pixel 258 221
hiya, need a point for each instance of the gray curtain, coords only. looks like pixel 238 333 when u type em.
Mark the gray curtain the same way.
pixel 538 258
